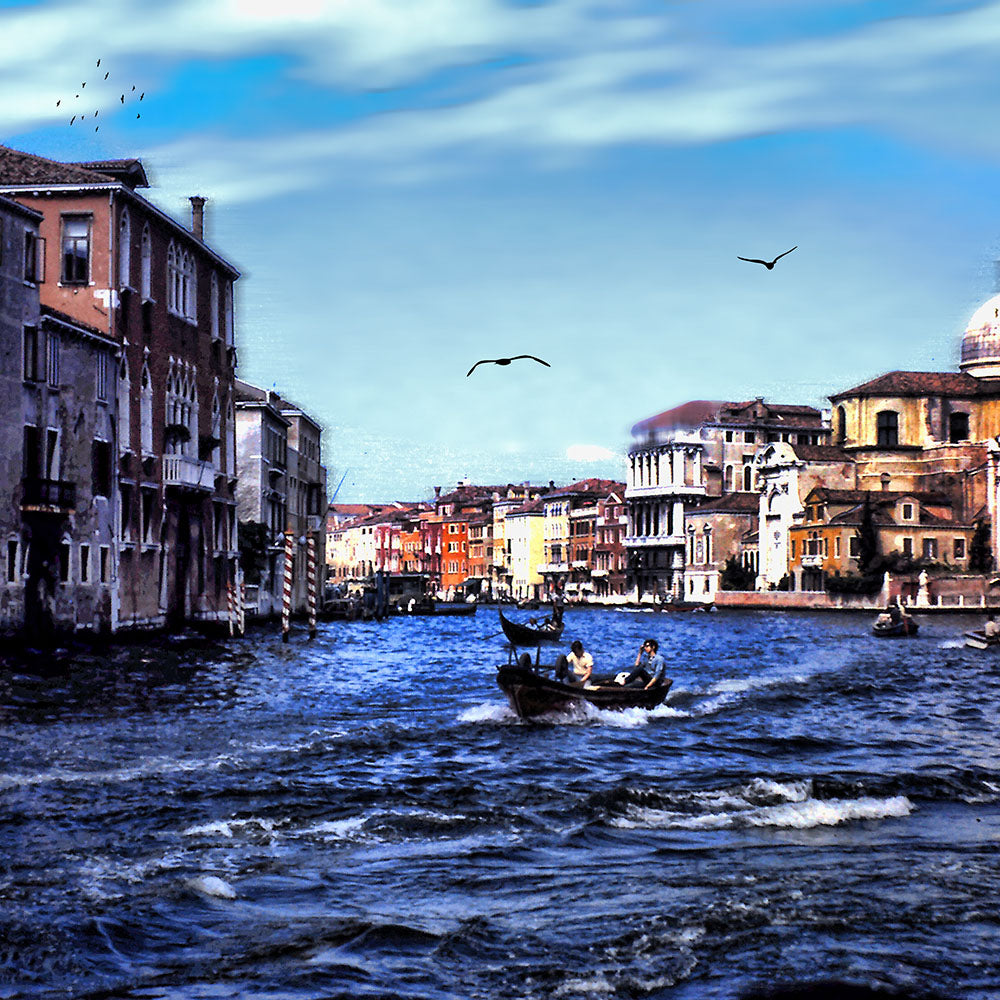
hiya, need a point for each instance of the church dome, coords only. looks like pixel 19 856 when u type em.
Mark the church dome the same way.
pixel 981 343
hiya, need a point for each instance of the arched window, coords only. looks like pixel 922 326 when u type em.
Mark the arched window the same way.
pixel 124 407
pixel 146 412
pixel 124 251
pixel 958 427
pixel 747 479
pixel 888 428
pixel 727 479
pixel 841 425
pixel 146 262
pixel 175 293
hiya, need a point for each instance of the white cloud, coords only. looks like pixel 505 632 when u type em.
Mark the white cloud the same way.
pixel 589 453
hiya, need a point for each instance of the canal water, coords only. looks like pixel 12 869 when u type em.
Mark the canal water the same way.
pixel 363 816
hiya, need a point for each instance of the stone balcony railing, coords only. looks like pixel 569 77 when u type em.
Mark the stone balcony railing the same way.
pixel 812 560
pixel 188 473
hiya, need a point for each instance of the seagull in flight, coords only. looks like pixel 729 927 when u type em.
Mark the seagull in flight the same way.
pixel 769 264
pixel 505 361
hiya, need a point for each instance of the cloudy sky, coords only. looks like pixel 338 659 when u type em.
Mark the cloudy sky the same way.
pixel 409 186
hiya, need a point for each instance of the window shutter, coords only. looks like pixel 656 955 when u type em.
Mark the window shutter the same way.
pixel 40 259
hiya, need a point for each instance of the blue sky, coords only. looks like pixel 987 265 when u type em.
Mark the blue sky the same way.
pixel 411 185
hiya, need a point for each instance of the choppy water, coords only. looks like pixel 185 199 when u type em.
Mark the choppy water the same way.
pixel 363 816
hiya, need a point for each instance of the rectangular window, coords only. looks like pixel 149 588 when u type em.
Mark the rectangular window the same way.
pixel 34 258
pixel 102 375
pixel 907 511
pixel 148 496
pixel 836 547
pixel 853 548
pixel 34 359
pixel 105 556
pixel 908 548
pixel 750 436
pixel 826 547
pixel 959 548
pixel 729 435
pixel 52 354
pixel 32 453
pixel 125 507
pixel 101 468
pixel 11 561
pixel 84 564
pixel 51 454
pixel 75 250
pixel 64 551
pixel 930 548
pixel 793 548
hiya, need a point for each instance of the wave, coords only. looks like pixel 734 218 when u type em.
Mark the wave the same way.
pixel 763 802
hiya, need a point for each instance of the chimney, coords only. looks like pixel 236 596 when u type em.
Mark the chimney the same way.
pixel 884 480
pixel 437 491
pixel 198 216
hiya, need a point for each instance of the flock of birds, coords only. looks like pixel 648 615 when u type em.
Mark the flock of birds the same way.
pixel 82 117
pixel 769 264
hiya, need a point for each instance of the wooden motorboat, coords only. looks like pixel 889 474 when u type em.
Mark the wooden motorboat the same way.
pixel 530 635
pixel 900 628
pixel 531 693
pixel 684 606
pixel 435 608
pixel 978 639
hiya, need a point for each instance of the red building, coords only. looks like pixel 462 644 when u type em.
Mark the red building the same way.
pixel 108 259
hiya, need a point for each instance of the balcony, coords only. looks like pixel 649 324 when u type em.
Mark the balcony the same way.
pixel 186 473
pixel 553 567
pixel 812 560
pixel 653 541
pixel 48 496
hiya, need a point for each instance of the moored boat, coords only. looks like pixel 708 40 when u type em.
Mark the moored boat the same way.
pixel 531 635
pixel 531 693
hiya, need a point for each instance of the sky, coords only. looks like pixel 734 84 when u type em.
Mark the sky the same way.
pixel 410 186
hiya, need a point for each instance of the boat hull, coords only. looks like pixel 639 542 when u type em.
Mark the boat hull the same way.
pixel 980 640
pixel 530 694
pixel 897 630
pixel 523 635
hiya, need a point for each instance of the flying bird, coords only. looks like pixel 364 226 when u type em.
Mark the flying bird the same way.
pixel 58 102
pixel 98 62
pixel 767 263
pixel 73 119
pixel 106 75
pixel 505 361
pixel 123 98
pixel 84 84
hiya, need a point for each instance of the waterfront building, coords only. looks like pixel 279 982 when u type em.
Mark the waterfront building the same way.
pixel 508 498
pixel 609 561
pixel 108 260
pixel 524 529
pixel 913 525
pixel 480 551
pixel 569 534
pixel 786 473
pixel 690 453
pixel 717 530
pixel 58 490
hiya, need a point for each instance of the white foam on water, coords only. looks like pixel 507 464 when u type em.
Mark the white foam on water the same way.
pixel 228 828
pixel 798 815
pixel 951 644
pixel 339 829
pixel 488 711
pixel 593 986
pixel 212 885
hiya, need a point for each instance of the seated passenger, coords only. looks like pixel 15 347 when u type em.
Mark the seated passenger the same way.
pixel 992 629
pixel 650 667
pixel 575 668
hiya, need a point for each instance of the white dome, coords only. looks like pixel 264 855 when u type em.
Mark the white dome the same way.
pixel 981 343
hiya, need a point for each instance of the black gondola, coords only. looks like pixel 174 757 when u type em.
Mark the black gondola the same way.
pixel 531 635
pixel 531 694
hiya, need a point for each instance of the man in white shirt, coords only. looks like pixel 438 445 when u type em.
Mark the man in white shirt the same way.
pixel 575 668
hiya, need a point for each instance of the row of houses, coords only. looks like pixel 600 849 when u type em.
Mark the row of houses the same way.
pixel 773 493
pixel 121 473
pixel 514 540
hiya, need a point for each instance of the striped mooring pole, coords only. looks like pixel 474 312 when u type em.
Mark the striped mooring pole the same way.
pixel 286 604
pixel 231 605
pixel 311 583
pixel 242 605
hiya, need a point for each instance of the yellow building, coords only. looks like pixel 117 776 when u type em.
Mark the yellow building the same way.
pixel 914 526
pixel 524 530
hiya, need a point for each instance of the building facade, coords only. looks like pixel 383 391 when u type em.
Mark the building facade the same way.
pixel 111 261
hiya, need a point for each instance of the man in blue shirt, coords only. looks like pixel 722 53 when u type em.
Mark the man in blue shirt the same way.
pixel 650 667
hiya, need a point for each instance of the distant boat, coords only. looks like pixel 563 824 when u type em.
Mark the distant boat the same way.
pixel 978 639
pixel 530 693
pixel 531 635
pixel 886 628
